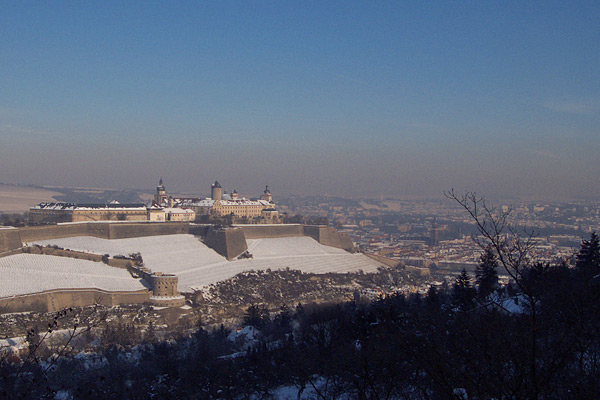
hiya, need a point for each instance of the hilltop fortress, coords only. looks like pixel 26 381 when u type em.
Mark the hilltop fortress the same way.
pixel 163 208
pixel 77 264
pixel 82 254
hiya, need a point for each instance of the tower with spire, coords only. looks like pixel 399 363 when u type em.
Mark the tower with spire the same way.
pixel 161 194
pixel 267 196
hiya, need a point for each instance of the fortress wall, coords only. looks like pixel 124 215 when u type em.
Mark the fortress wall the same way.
pixel 33 233
pixel 229 242
pixel 54 300
pixel 104 230
pixel 419 270
pixel 10 239
pixel 328 236
pixel 119 263
pixel 63 253
pixel 271 231
pixel 99 230
pixel 122 231
pixel 199 230
pixel 384 260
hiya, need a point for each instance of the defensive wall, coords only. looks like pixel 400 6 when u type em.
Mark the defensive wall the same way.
pixel 323 234
pixel 328 236
pixel 228 242
pixel 162 287
pixel 53 300
pixel 11 239
pixel 390 262
pixel 261 231
pixel 123 263
pixel 384 260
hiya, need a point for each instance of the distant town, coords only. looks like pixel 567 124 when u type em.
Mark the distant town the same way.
pixel 438 233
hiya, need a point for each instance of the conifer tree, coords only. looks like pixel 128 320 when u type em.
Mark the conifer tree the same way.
pixel 462 291
pixel 486 273
pixel 588 258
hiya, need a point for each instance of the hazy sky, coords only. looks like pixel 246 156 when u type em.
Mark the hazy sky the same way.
pixel 344 98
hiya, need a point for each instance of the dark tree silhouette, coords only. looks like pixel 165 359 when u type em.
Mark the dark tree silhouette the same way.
pixel 463 293
pixel 588 258
pixel 486 273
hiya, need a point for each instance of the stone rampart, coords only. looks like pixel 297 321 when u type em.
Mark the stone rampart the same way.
pixel 259 231
pixel 390 262
pixel 228 242
pixel 104 230
pixel 419 270
pixel 33 233
pixel 328 236
pixel 10 239
pixel 126 230
pixel 199 230
pixel 51 251
pixel 53 300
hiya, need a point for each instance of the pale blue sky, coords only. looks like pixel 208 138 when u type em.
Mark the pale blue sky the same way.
pixel 347 98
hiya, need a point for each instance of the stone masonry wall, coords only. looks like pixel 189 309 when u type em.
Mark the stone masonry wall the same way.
pixel 104 230
pixel 328 236
pixel 228 242
pixel 54 300
pixel 123 230
pixel 271 231
pixel 9 240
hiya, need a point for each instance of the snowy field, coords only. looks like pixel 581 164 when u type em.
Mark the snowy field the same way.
pixel 197 265
pixel 33 273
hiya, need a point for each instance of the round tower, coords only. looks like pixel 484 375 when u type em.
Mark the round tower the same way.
pixel 216 191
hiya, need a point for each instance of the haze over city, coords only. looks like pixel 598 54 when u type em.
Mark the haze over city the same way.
pixel 339 98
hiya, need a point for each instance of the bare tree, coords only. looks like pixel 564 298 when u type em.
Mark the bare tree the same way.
pixel 513 251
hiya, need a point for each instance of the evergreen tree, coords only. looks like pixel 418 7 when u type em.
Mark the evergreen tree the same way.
pixel 256 316
pixel 486 273
pixel 588 258
pixel 463 293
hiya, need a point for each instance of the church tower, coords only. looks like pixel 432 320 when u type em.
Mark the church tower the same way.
pixel 161 194
pixel 266 195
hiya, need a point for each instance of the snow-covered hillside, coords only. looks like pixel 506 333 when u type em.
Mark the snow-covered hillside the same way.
pixel 33 273
pixel 197 265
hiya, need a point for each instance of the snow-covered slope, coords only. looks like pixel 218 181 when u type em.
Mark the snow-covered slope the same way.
pixel 197 265
pixel 33 273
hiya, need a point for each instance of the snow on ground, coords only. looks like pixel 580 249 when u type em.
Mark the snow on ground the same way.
pixel 34 273
pixel 197 265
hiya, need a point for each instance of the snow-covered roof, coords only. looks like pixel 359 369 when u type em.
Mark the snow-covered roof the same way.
pixel 244 202
pixel 201 203
pixel 85 207
pixel 173 210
